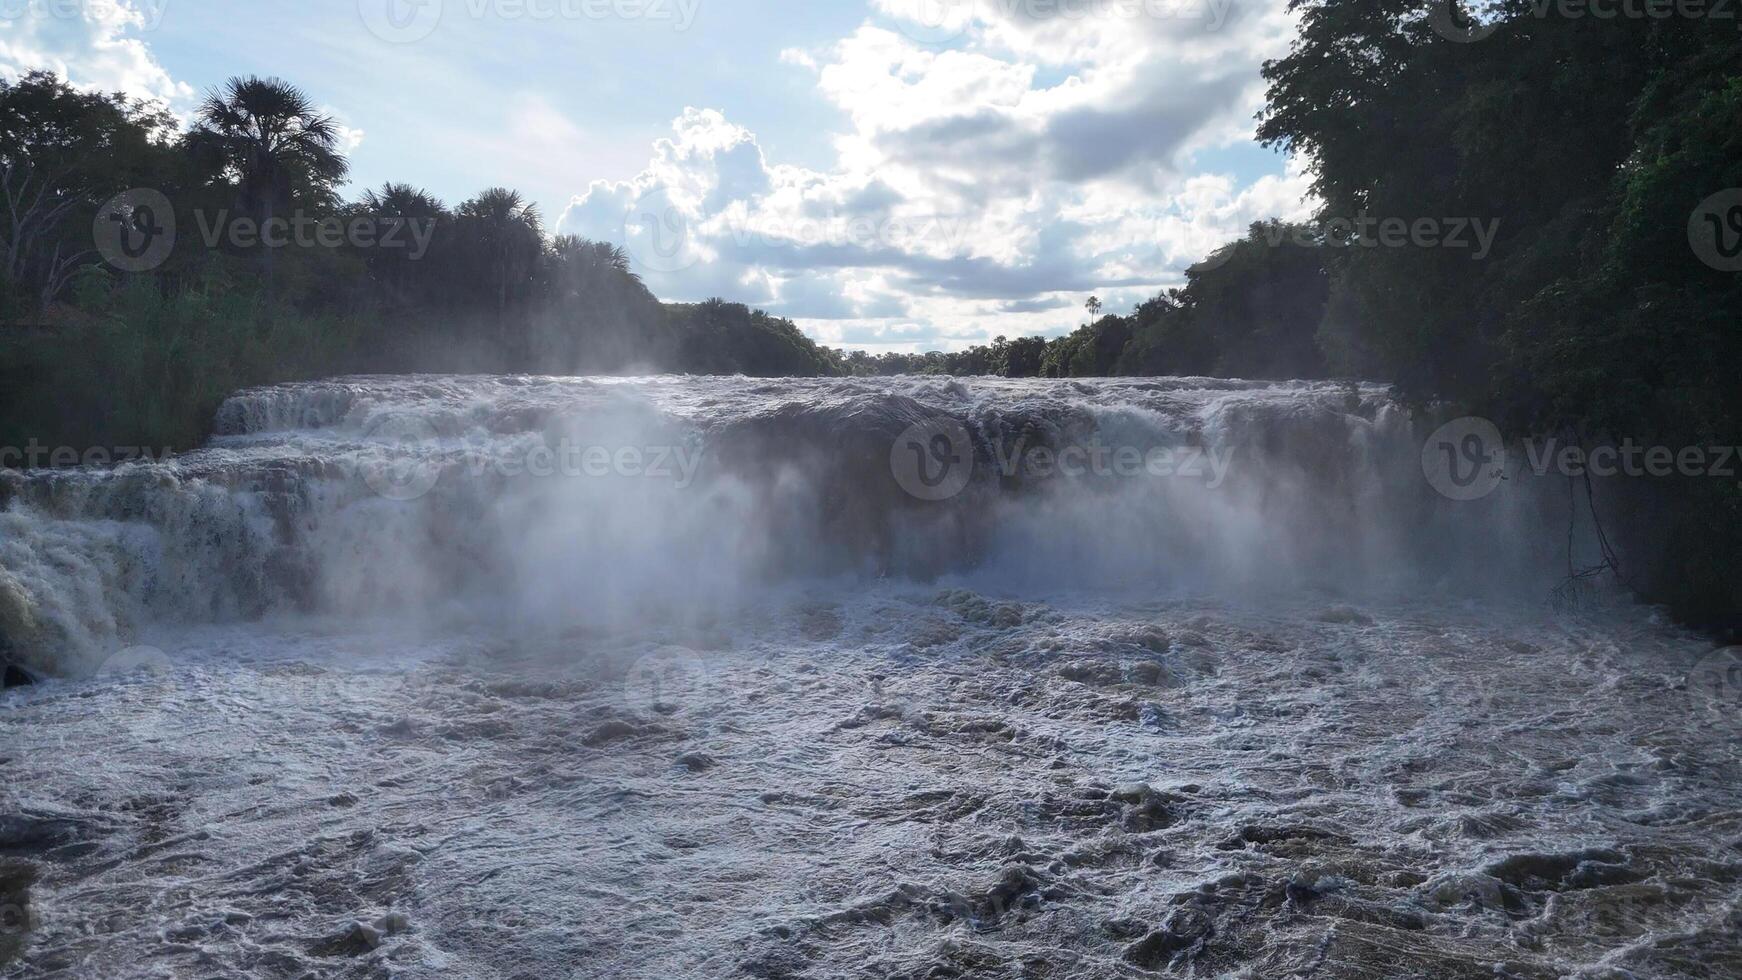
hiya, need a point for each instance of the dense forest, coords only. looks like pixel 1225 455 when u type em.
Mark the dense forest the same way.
pixel 94 355
pixel 1588 145
pixel 1603 311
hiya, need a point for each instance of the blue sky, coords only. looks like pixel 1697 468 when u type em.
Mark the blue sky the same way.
pixel 892 174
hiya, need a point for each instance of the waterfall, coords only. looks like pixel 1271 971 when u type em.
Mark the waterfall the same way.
pixel 548 503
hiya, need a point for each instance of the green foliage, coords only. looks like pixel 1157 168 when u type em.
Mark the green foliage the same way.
pixel 717 337
pixel 267 137
pixel 89 358
pixel 1592 141
pixel 1253 310
pixel 141 368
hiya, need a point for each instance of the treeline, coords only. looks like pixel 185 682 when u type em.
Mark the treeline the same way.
pixel 1251 310
pixel 113 332
pixel 1609 305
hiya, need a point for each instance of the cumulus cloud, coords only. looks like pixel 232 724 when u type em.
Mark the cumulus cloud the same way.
pixel 94 44
pixel 1000 160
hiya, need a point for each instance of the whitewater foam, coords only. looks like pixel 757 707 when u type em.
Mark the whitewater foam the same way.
pixel 533 501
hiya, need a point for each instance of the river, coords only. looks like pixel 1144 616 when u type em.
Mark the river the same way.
pixel 897 678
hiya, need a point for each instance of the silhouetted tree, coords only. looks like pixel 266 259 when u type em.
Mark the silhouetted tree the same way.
pixel 272 140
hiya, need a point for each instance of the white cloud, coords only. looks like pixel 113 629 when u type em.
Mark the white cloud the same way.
pixel 350 137
pixel 983 184
pixel 94 44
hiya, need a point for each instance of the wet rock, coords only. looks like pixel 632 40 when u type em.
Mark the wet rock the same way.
pixel 1152 638
pixel 820 624
pixel 16 917
pixel 977 609
pixel 926 806
pixel 191 932
pixel 1096 672
pixel 1404 879
pixel 15 676
pixel 402 728
pixel 1485 826
pixel 1319 898
pixel 617 730
pixel 1289 838
pixel 1146 809
pixel 1016 887
pixel 1102 852
pixel 1455 890
pixel 38 832
pixel 1564 871
pixel 779 964
pixel 696 761
pixel 1183 932
pixel 1135 807
pixel 1148 673
pixel 355 940
pixel 872 713
pixel 1301 892
pixel 1125 929
pixel 934 633
pixel 1344 615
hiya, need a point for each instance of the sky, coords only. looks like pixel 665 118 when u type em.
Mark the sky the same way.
pixel 893 175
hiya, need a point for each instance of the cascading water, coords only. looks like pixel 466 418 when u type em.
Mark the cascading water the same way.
pixel 673 677
pixel 549 503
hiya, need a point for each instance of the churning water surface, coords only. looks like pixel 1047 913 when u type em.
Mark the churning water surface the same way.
pixel 527 677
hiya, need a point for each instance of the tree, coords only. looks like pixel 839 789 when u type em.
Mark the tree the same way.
pixel 597 313
pixel 502 235
pixel 62 153
pixel 268 136
pixel 404 211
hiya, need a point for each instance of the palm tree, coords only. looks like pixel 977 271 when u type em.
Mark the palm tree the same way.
pixel 406 212
pixel 272 140
pixel 403 201
pixel 506 234
pixel 580 266
pixel 604 317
